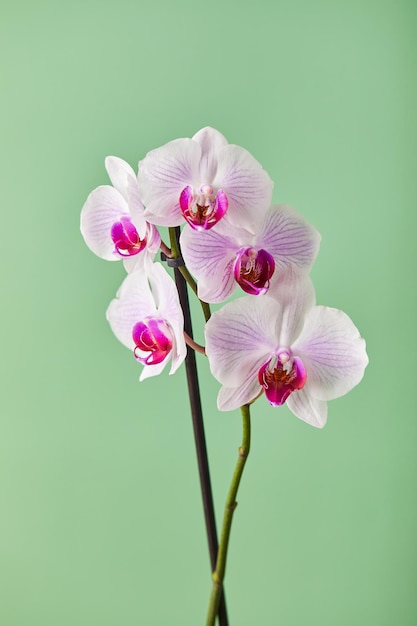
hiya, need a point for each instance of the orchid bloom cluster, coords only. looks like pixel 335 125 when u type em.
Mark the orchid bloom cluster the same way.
pixel 273 340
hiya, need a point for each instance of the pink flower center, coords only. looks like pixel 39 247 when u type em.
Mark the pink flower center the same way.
pixel 282 375
pixel 203 209
pixel 153 341
pixel 126 238
pixel 253 270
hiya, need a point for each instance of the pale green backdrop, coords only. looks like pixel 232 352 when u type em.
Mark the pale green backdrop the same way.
pixel 101 521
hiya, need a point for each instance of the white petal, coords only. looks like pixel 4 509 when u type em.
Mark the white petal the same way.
pixel 163 174
pixel 179 352
pixel 213 290
pixel 166 296
pixel 134 263
pixel 125 181
pixel 247 186
pixel 134 302
pixel 230 398
pixel 240 338
pixel 137 262
pixel 307 408
pixel 332 351
pixel 209 255
pixel 136 208
pixel 293 289
pixel 211 141
pixel 153 370
pixel 103 207
pixel 162 285
pixel 120 173
pixel 288 237
pixel 154 239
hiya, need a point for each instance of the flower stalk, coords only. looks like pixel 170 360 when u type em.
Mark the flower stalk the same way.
pixel 274 341
pixel 198 427
pixel 231 504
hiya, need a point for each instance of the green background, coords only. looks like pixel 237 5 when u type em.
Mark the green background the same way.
pixel 101 520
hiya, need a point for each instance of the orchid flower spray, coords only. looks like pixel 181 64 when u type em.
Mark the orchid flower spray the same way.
pixel 273 342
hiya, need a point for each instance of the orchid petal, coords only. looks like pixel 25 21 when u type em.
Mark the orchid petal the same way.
pixel 166 298
pixel 136 208
pixel 153 370
pixel 124 179
pixel 211 142
pixel 133 303
pixel 135 263
pixel 120 173
pixel 288 237
pixel 307 408
pixel 153 241
pixel 294 291
pixel 332 351
pixel 240 338
pixel 209 255
pixel 246 184
pixel 231 398
pixel 103 207
pixel 163 174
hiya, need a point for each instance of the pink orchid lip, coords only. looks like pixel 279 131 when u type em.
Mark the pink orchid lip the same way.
pixel 204 209
pixel 126 238
pixel 253 270
pixel 281 375
pixel 153 341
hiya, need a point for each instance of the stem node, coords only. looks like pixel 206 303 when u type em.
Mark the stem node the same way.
pixel 242 452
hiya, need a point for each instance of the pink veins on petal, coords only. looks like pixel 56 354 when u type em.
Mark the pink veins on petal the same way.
pixel 253 270
pixel 126 238
pixel 204 209
pixel 153 341
pixel 280 376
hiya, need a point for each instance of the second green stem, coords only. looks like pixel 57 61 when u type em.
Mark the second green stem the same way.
pixel 219 572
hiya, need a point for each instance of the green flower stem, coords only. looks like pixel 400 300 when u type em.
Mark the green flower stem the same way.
pixel 176 254
pixel 173 238
pixel 231 504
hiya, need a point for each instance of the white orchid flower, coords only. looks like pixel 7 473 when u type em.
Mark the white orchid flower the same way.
pixel 112 220
pixel 285 347
pixel 201 180
pixel 228 256
pixel 147 318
